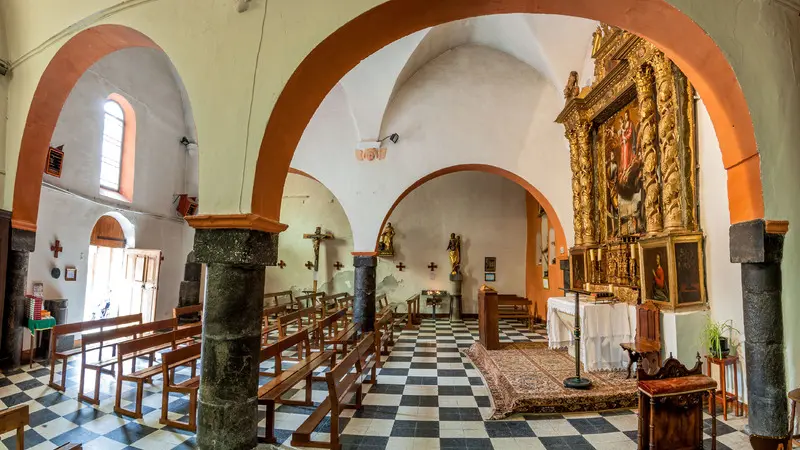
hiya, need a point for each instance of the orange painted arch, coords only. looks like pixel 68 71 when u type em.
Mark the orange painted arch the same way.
pixel 62 73
pixel 561 240
pixel 673 32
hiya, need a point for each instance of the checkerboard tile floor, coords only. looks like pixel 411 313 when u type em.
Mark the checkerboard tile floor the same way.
pixel 428 396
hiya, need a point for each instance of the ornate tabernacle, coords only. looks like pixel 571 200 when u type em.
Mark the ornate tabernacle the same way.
pixel 632 146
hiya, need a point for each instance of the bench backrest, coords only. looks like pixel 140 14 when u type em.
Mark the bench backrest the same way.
pixel 331 321
pixel 518 301
pixel 179 354
pixel 135 345
pixel 275 351
pixel 186 310
pixel 341 379
pixel 345 302
pixel 119 333
pixel 274 298
pixel 309 300
pixel 15 418
pixel 77 327
pixel 366 352
pixel 195 329
pixel 273 310
pixel 297 317
pixel 382 301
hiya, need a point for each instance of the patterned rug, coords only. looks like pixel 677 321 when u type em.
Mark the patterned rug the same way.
pixel 528 377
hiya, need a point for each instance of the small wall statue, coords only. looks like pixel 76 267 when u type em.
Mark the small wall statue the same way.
pixel 386 242
pixel 454 251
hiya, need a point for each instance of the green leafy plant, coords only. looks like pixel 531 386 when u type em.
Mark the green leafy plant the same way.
pixel 716 332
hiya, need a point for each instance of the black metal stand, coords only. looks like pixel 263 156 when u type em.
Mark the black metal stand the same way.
pixel 577 382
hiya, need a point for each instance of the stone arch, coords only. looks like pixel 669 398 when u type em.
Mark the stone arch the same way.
pixel 59 78
pixel 672 31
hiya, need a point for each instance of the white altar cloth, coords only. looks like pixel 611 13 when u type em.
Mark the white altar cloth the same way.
pixel 603 327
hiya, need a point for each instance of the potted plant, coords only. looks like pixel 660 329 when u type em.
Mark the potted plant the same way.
pixel 716 336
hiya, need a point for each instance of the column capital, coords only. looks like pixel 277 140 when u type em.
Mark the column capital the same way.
pixel 22 240
pixel 365 261
pixel 239 221
pixel 758 241
pixel 236 246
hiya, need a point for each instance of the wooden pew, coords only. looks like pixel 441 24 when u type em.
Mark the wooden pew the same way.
pixel 279 298
pixel 116 336
pixel 268 317
pixel 346 303
pixel 384 336
pixel 148 346
pixel 79 327
pixel 284 381
pixel 337 330
pixel 194 311
pixel 16 418
pixel 329 303
pixel 341 382
pixel 492 307
pixel 308 300
pixel 412 312
pixel 381 301
pixel 169 362
pixel 513 307
pixel 296 318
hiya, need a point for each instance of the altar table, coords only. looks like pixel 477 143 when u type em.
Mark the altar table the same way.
pixel 603 327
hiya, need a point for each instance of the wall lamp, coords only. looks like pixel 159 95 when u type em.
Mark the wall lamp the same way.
pixel 394 137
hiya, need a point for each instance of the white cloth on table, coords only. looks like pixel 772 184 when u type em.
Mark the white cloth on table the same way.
pixel 603 327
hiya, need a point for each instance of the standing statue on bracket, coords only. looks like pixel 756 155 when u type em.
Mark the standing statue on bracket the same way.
pixel 571 90
pixel 454 251
pixel 386 241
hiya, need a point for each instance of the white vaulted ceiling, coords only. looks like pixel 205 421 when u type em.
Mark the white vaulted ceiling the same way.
pixel 552 45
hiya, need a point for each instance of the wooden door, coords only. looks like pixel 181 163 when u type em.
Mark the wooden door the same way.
pixel 142 269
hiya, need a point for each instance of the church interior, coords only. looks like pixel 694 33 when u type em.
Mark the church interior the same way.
pixel 397 224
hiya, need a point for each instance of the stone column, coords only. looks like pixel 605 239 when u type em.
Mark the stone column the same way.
pixel 587 182
pixel 21 244
pixel 189 293
pixel 758 246
pixel 364 302
pixel 645 82
pixel 574 160
pixel 668 143
pixel 228 403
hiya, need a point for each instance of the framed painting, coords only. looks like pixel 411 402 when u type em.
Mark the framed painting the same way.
pixel 490 264
pixel 577 272
pixel 689 270
pixel 655 270
pixel 490 276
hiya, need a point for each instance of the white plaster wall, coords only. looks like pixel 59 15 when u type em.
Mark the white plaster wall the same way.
pixel 487 210
pixel 472 105
pixel 144 78
pixel 308 204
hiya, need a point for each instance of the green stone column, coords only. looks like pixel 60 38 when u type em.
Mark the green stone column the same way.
pixel 228 401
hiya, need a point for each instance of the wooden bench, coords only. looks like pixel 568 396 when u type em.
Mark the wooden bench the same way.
pixel 169 362
pixel 512 307
pixel 338 331
pixel 308 300
pixel 279 298
pixel 329 303
pixel 16 418
pixel 148 346
pixel 284 381
pixel 78 327
pixel 412 312
pixel 384 335
pixel 346 303
pixel 297 318
pixel 116 336
pixel 341 380
pixel 194 313
pixel 269 317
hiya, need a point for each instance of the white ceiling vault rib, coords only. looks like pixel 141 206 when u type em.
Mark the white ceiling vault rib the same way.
pixel 552 45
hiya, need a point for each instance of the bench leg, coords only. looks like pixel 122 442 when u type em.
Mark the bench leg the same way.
pixel 137 413
pixel 269 426
pixel 165 404
pixel 309 382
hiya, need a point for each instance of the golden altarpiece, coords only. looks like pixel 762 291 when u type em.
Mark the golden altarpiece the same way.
pixel 634 176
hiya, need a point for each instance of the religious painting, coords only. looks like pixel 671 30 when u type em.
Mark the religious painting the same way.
pixel 578 270
pixel 655 273
pixel 688 273
pixel 70 273
pixel 617 139
pixel 490 264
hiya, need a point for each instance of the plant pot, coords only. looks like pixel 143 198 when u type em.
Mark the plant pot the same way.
pixel 724 348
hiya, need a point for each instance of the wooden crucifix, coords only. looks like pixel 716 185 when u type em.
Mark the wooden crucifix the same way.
pixel 432 266
pixel 56 248
pixel 338 265
pixel 317 237
pixel 281 264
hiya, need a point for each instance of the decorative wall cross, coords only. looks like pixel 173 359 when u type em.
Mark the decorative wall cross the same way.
pixel 338 265
pixel 432 266
pixel 401 266
pixel 281 264
pixel 309 265
pixel 56 248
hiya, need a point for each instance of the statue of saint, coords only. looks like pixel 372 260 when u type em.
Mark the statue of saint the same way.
pixel 571 90
pixel 454 250
pixel 660 291
pixel 386 242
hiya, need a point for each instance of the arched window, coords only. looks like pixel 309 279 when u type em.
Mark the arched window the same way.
pixel 113 135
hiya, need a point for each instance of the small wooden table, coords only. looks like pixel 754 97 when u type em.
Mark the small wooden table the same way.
pixel 723 394
pixel 672 418
pixel 36 327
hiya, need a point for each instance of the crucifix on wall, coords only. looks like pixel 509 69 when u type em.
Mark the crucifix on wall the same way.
pixel 56 248
pixel 316 238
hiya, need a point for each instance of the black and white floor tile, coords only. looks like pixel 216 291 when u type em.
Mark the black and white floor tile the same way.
pixel 428 396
